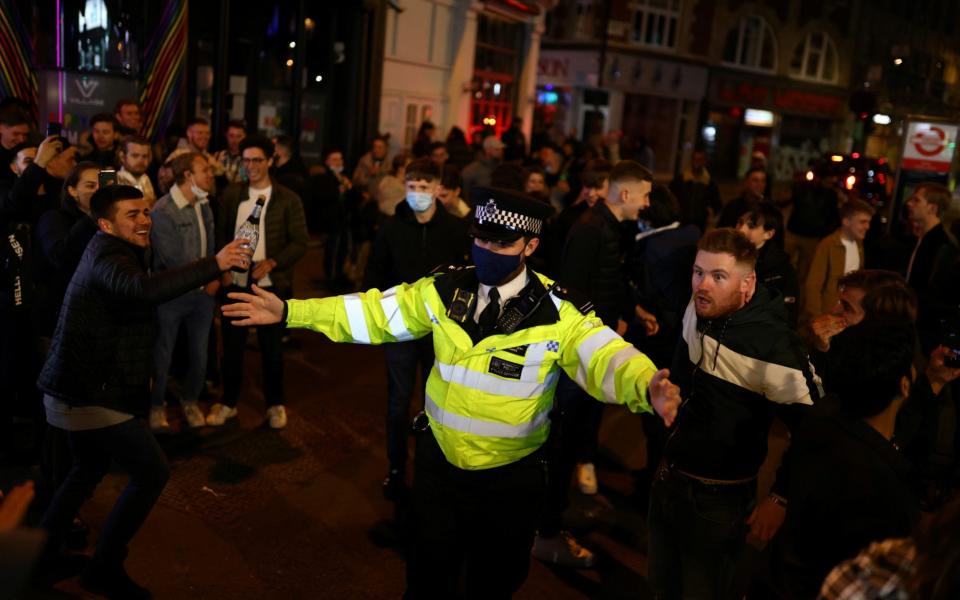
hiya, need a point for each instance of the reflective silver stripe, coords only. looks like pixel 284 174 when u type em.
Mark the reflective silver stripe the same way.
pixel 532 361
pixel 494 385
pixel 609 385
pixel 433 317
pixel 556 301
pixel 481 427
pixel 588 348
pixel 358 322
pixel 391 309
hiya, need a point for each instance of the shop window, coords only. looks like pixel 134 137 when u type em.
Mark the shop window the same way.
pixel 815 58
pixel 496 70
pixel 655 22
pixel 751 45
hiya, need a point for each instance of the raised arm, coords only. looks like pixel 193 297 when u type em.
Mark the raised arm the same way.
pixel 372 317
pixel 610 369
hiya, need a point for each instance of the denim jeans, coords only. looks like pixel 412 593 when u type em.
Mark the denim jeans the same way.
pixel 131 445
pixel 697 535
pixel 195 311
pixel 402 359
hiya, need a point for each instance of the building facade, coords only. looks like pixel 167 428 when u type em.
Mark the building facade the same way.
pixel 459 63
pixel 733 77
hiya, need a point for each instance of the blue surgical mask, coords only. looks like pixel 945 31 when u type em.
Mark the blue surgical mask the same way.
pixel 419 201
pixel 492 268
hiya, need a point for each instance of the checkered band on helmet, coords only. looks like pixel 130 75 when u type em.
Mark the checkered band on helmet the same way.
pixel 489 213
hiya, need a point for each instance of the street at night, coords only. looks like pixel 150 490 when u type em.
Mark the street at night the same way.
pixel 480 299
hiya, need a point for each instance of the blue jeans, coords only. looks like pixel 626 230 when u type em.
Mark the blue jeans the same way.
pixel 697 535
pixel 195 311
pixel 131 445
pixel 402 359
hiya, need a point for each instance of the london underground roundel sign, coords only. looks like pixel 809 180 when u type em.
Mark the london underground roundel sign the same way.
pixel 929 146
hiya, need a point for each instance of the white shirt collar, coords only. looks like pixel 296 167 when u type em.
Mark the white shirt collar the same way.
pixel 180 200
pixel 509 289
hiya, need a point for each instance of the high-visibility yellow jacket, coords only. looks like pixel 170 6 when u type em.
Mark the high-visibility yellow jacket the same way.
pixel 488 403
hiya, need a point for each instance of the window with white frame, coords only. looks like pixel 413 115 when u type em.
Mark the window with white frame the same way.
pixel 655 22
pixel 815 58
pixel 751 45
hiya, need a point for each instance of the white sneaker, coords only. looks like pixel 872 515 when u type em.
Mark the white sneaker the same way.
pixel 587 479
pixel 219 413
pixel 194 415
pixel 277 415
pixel 158 419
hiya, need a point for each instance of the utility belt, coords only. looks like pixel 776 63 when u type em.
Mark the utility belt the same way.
pixel 669 472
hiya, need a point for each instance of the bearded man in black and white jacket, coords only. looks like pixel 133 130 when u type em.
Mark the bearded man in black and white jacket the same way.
pixel 738 365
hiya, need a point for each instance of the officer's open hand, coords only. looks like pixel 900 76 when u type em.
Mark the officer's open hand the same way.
pixel 259 308
pixel 664 396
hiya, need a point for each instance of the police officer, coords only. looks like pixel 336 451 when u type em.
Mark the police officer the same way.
pixel 501 333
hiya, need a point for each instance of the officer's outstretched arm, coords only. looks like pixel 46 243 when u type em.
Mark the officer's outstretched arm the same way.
pixel 602 363
pixel 371 317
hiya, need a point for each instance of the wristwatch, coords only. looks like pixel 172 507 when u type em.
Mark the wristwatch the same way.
pixel 777 499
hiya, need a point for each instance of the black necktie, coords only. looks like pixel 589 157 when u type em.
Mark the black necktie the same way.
pixel 488 318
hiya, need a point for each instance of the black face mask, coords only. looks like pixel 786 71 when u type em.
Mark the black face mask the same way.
pixel 492 268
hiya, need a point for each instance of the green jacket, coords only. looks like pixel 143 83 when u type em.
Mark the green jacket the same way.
pixel 285 228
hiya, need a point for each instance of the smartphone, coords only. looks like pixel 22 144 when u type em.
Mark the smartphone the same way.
pixel 107 177
pixel 54 128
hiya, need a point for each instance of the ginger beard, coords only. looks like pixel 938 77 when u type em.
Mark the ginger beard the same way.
pixel 720 285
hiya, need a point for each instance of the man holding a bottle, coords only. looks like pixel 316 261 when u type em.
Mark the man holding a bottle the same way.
pixel 282 234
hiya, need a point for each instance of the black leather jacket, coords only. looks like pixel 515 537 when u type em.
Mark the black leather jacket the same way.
pixel 102 351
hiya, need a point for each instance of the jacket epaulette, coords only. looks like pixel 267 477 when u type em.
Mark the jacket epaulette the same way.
pixel 450 268
pixel 577 299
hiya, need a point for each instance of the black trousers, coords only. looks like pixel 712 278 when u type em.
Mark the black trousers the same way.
pixel 573 438
pixel 402 360
pixel 479 523
pixel 132 446
pixel 270 339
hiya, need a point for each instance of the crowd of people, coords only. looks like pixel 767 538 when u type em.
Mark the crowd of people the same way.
pixel 578 276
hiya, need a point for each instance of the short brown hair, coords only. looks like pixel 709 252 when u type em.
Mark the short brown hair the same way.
pixel 727 240
pixel 936 194
pixel 886 294
pixel 422 168
pixel 182 165
pixel 628 170
pixel 854 206
pixel 139 140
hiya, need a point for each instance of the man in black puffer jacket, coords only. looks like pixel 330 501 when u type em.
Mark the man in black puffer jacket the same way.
pixel 591 266
pixel 96 380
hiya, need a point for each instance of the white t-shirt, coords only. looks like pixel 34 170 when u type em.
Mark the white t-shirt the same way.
pixel 852 255
pixel 243 212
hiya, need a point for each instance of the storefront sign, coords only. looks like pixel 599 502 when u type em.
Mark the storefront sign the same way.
pixel 78 97
pixel 626 73
pixel 929 147
pixel 779 99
